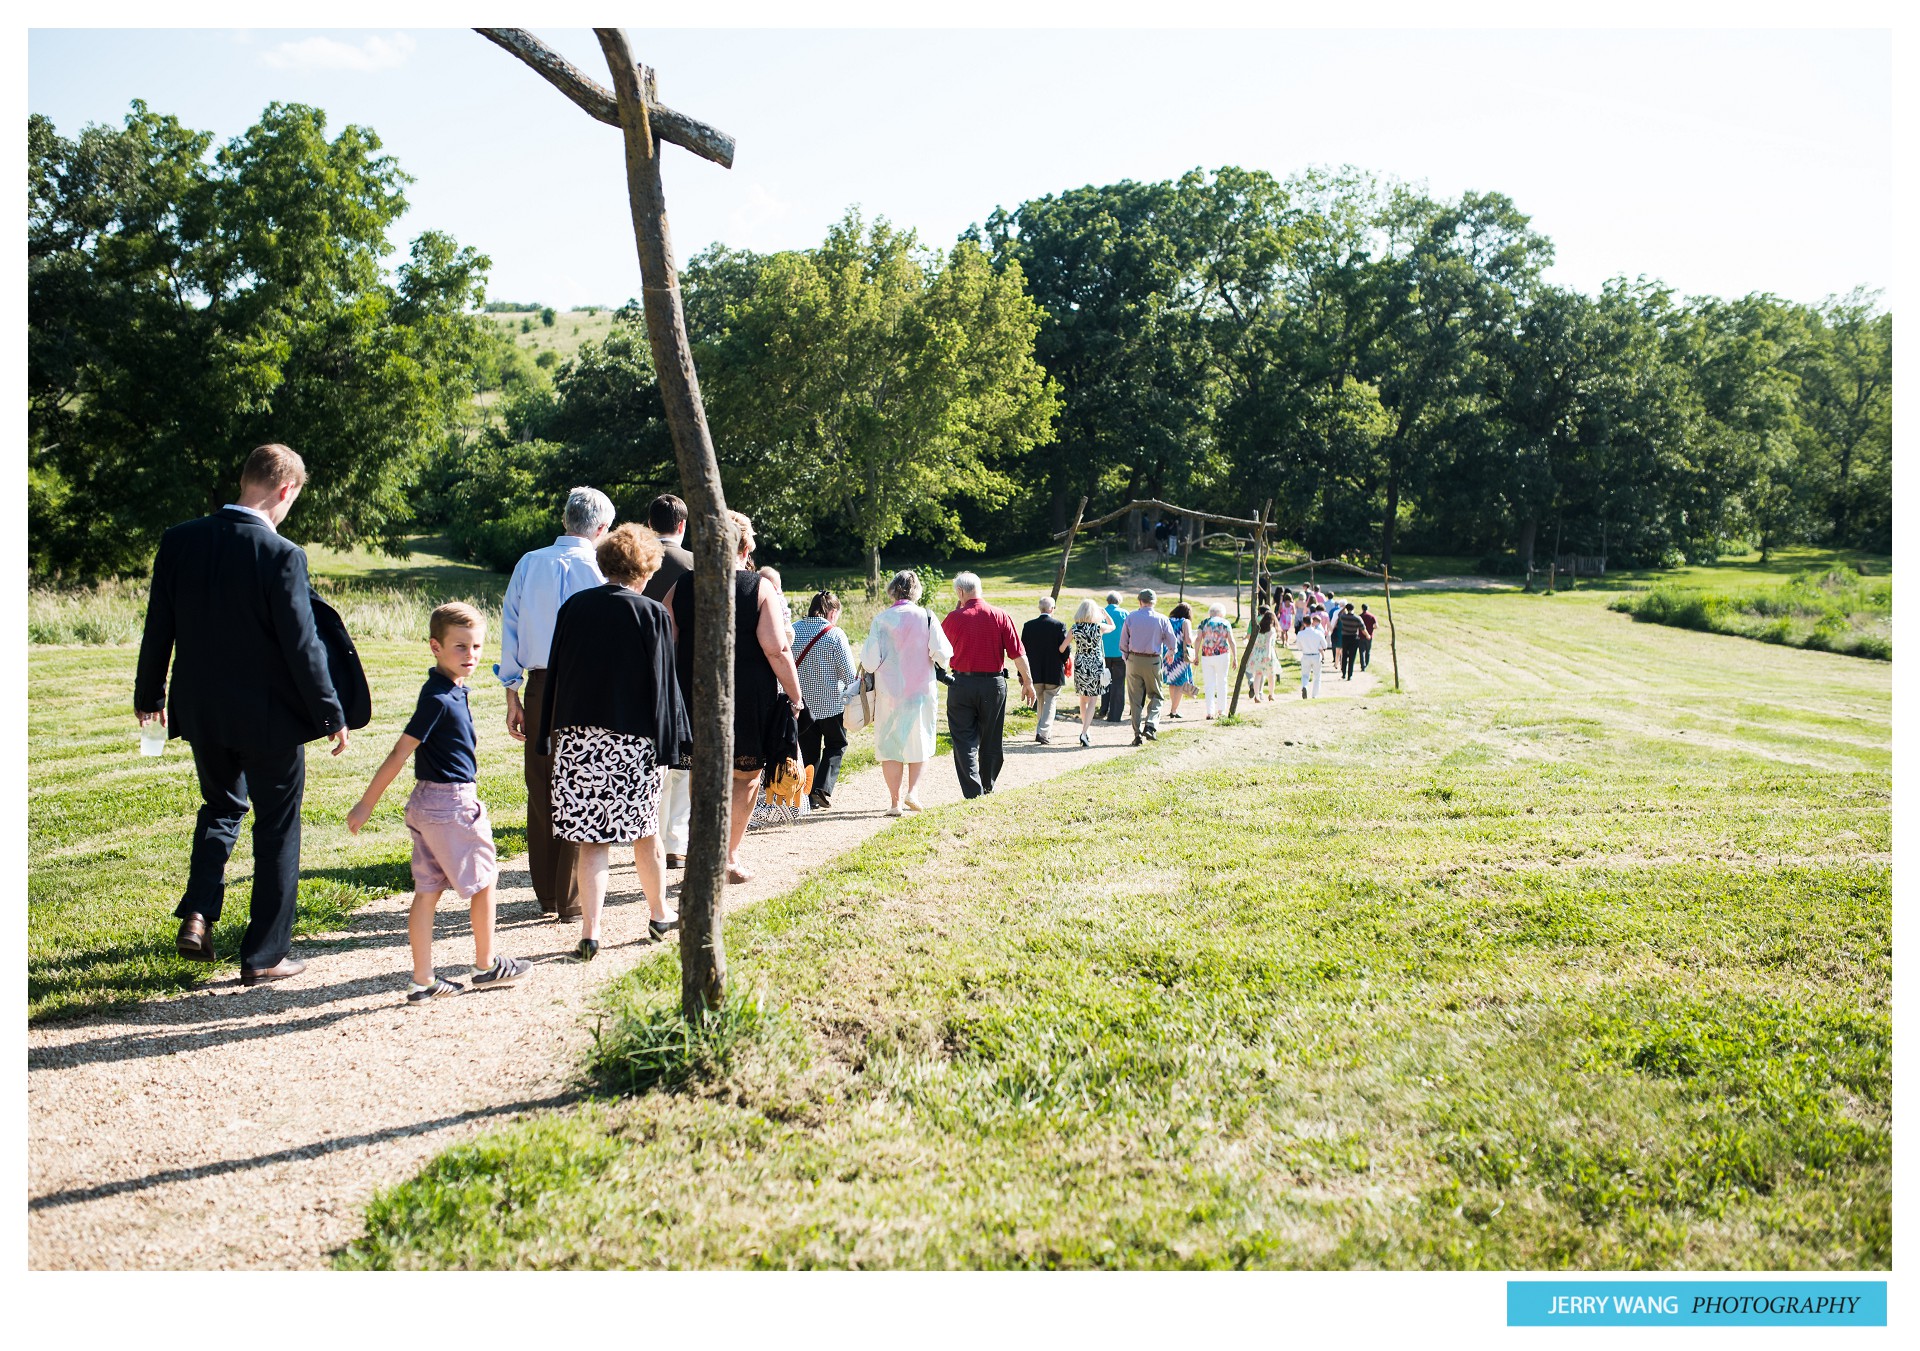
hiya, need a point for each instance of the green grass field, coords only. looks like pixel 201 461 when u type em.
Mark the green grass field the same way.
pixel 1575 954
pixel 1831 608
pixel 571 328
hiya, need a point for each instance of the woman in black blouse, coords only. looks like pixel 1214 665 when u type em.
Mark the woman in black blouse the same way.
pixel 613 704
pixel 763 670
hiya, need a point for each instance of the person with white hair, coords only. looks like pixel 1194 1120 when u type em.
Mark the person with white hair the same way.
pixel 983 638
pixel 542 582
pixel 1216 657
pixel 1048 647
pixel 903 645
pixel 1091 627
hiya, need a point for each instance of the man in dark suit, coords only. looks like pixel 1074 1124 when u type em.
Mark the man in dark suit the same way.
pixel 667 518
pixel 1042 636
pixel 230 605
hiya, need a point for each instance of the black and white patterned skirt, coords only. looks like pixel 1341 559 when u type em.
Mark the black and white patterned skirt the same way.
pixel 606 786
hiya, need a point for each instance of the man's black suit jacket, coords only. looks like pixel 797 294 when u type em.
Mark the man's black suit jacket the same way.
pixel 675 564
pixel 230 603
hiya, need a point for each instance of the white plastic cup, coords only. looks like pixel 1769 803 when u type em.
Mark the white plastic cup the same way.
pixel 153 738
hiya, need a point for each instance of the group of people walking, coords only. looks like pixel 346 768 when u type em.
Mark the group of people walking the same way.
pixel 596 657
pixel 1313 623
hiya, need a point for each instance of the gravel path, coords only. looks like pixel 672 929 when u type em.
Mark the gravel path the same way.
pixel 232 1128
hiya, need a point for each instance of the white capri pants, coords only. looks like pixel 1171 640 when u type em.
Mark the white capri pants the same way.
pixel 1214 671
pixel 1310 672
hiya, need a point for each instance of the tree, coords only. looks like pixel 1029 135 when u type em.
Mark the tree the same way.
pixel 1846 405
pixel 182 309
pixel 1106 268
pixel 866 387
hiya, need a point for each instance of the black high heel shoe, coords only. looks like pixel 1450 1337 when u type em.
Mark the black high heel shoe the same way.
pixel 587 950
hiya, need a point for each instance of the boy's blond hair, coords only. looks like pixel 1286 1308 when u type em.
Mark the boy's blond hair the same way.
pixel 455 614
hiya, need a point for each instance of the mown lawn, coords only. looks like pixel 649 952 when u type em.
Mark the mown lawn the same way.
pixel 1576 954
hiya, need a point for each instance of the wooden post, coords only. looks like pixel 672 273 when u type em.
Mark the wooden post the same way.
pixel 1239 547
pixel 1060 577
pixel 1393 646
pixel 1186 555
pixel 1246 648
pixel 703 957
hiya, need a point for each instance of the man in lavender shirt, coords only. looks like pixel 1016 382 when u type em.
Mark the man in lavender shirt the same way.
pixel 1142 637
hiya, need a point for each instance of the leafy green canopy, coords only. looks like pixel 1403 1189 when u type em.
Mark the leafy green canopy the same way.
pixel 861 390
pixel 1385 365
pixel 184 307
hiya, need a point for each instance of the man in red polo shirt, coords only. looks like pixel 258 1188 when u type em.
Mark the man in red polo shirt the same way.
pixel 983 636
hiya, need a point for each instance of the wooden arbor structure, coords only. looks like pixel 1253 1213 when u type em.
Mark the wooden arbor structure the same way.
pixel 633 106
pixel 1258 527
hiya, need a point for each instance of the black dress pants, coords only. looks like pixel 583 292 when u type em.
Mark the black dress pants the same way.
pixel 550 859
pixel 1113 704
pixel 1349 648
pixel 275 782
pixel 822 742
pixel 977 722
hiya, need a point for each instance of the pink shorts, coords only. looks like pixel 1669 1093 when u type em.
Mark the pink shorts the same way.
pixel 452 838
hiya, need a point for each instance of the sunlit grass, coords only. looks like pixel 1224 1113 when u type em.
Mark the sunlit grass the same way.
pixel 1576 954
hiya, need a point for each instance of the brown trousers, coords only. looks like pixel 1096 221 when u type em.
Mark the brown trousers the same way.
pixel 549 860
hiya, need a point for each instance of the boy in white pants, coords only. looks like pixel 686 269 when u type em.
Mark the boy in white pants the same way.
pixel 1312 642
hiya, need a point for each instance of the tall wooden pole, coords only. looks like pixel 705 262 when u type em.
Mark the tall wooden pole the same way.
pixel 1060 577
pixel 1238 554
pixel 1186 555
pixel 715 545
pixel 1393 645
pixel 1246 648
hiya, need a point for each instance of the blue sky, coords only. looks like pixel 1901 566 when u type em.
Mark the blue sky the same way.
pixel 1720 162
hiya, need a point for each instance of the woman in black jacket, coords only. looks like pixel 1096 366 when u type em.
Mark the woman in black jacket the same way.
pixel 613 704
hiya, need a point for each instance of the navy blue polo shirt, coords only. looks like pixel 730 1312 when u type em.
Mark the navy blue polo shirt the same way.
pixel 443 724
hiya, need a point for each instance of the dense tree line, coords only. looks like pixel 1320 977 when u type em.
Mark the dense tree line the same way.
pixel 1394 372
pixel 185 304
pixel 1391 369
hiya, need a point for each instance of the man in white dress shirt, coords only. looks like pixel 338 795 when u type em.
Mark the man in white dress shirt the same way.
pixel 542 582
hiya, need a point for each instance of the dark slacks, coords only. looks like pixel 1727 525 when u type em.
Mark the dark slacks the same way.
pixel 822 742
pixel 1349 648
pixel 977 722
pixel 548 859
pixel 273 783
pixel 1113 704
pixel 1366 653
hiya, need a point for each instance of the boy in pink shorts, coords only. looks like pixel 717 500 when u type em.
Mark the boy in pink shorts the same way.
pixel 452 838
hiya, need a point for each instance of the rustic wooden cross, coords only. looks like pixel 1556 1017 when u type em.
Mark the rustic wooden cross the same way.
pixel 633 106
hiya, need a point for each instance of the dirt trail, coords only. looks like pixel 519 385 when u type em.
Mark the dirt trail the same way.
pixel 246 1128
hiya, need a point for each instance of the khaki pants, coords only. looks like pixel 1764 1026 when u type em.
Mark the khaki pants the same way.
pixel 549 860
pixel 1043 697
pixel 1143 688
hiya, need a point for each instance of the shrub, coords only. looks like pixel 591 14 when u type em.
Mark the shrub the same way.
pixel 1830 610
pixel 640 1044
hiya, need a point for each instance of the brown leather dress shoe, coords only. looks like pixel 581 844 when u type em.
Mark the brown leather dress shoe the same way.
pixel 281 970
pixel 676 860
pixel 194 942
